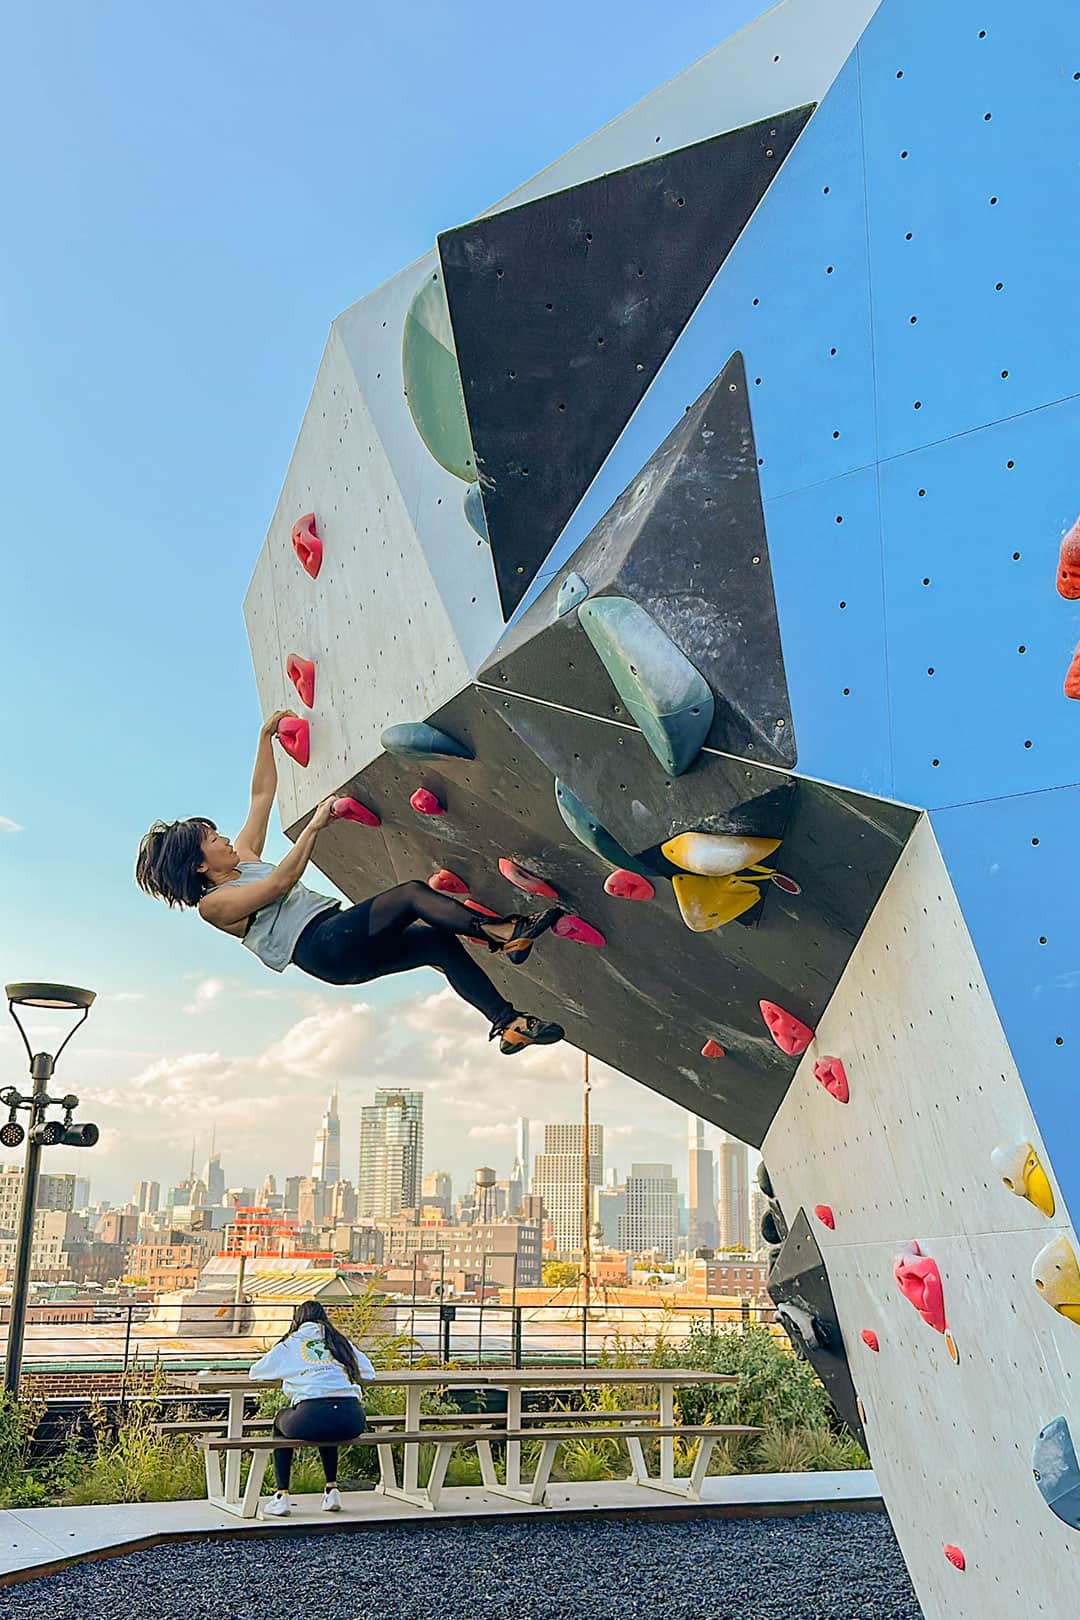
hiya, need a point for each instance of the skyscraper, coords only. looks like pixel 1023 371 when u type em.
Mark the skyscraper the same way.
pixel 701 1231
pixel 214 1178
pixel 652 1211
pixel 147 1197
pixel 326 1160
pixel 733 1193
pixel 557 1179
pixel 391 1154
pixel 520 1172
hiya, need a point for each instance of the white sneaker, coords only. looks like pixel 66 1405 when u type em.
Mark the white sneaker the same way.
pixel 331 1502
pixel 278 1507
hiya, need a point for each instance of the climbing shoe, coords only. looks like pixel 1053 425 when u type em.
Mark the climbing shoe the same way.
pixel 525 1030
pixel 527 929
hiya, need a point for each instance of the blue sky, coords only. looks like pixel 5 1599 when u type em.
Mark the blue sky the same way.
pixel 190 198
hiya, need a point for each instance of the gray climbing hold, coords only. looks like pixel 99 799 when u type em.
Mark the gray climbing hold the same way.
pixel 474 512
pixel 572 591
pixel 1057 1472
pixel 588 831
pixel 417 740
pixel 660 687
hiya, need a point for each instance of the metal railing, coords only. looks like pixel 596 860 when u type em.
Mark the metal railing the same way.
pixel 127 1334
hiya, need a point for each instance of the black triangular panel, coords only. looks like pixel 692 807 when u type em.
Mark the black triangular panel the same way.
pixel 565 308
pixel 686 540
pixel 799 1280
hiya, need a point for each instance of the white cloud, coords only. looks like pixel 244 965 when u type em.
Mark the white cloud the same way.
pixel 9 826
pixel 207 992
pixel 124 995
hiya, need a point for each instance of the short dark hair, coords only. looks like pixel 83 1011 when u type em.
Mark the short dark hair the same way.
pixel 169 858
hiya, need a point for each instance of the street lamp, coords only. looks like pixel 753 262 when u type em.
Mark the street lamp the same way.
pixel 38 1133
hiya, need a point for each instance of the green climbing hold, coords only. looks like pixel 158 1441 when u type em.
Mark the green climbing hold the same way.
pixel 433 382
pixel 660 687
pixel 588 831
pixel 572 591
pixel 418 740
pixel 474 512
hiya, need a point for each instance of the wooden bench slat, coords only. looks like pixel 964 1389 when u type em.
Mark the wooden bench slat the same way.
pixel 467 1436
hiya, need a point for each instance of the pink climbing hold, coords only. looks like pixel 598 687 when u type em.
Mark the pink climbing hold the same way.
pixel 485 911
pixel 307 545
pixel 955 1556
pixel 577 929
pixel 522 879
pixel 825 1216
pixel 626 885
pixel 919 1280
pixel 712 1049
pixel 870 1339
pixel 353 810
pixel 426 804
pixel 1068 579
pixel 445 882
pixel 301 671
pixel 790 1034
pixel 830 1071
pixel 295 737
pixel 1071 687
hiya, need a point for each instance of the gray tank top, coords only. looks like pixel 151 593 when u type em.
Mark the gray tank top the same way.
pixel 273 932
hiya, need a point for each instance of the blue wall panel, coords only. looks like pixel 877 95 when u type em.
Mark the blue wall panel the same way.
pixel 1013 866
pixel 971 529
pixel 939 246
pixel 825 550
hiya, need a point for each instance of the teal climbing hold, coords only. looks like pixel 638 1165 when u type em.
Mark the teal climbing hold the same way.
pixel 1057 1472
pixel 474 512
pixel 660 687
pixel 572 591
pixel 417 740
pixel 429 367
pixel 588 831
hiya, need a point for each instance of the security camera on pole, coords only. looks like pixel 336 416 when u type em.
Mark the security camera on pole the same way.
pixel 39 1132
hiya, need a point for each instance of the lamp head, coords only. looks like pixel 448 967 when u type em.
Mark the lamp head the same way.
pixel 63 997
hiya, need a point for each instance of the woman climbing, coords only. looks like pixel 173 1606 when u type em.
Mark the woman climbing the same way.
pixel 320 1371
pixel 189 863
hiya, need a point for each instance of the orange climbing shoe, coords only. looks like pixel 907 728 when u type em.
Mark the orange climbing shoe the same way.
pixel 525 1030
pixel 527 928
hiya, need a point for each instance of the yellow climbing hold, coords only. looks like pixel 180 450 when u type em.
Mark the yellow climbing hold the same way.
pixel 1056 1275
pixel 1020 1170
pixel 709 902
pixel 717 854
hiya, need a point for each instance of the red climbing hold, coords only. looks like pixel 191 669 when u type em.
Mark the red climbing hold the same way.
pixel 955 1556
pixel 1072 679
pixel 870 1339
pixel 353 810
pixel 295 737
pixel 790 1034
pixel 577 929
pixel 1068 580
pixel 628 885
pixel 426 804
pixel 307 545
pixel 830 1071
pixel 301 671
pixel 521 879
pixel 919 1280
pixel 447 883
pixel 712 1049
pixel 825 1216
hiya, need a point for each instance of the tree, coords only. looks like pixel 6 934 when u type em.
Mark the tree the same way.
pixel 559 1273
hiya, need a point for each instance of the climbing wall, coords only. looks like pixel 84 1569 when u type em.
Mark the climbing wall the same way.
pixel 933 1092
pixel 680 540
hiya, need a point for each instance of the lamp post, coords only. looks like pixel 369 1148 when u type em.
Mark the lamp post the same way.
pixel 40 1132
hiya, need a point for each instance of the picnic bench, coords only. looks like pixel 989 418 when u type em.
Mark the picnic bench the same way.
pixel 224 1441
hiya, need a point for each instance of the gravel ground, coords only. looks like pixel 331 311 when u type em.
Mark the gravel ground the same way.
pixel 821 1566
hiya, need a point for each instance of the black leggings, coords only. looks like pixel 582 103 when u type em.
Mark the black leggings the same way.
pixel 403 928
pixel 325 1423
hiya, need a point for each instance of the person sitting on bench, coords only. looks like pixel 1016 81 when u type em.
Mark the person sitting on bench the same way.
pixel 320 1371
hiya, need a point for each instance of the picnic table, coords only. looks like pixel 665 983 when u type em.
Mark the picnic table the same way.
pixel 483 1428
